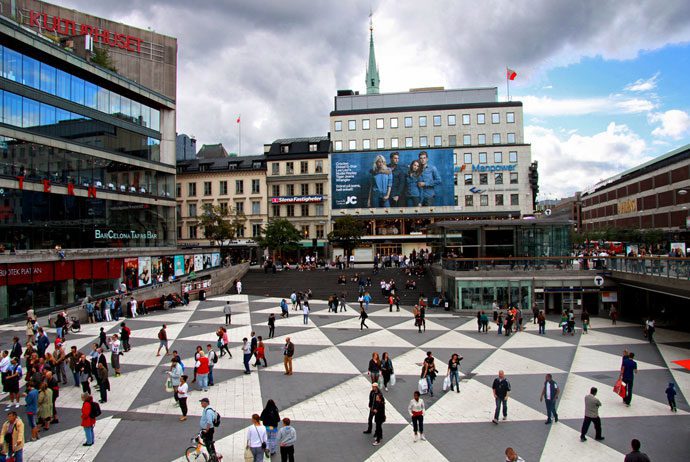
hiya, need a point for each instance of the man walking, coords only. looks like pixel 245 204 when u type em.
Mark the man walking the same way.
pixel 247 355
pixel 635 455
pixel 163 341
pixel 501 390
pixel 550 394
pixel 271 325
pixel 372 399
pixel 288 353
pixel 227 310
pixel 628 371
pixel 208 415
pixel 592 405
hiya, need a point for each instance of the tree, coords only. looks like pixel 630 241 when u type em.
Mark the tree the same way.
pixel 280 235
pixel 220 224
pixel 101 57
pixel 347 232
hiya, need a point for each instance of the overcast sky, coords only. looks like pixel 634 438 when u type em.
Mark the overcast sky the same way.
pixel 604 84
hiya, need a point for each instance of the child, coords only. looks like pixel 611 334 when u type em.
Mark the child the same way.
pixel 261 352
pixel 585 325
pixel 671 395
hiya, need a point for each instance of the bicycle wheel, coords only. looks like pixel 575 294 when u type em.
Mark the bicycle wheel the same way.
pixel 193 456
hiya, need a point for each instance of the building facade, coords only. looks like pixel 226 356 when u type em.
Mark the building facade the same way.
pixel 653 195
pixel 297 184
pixel 470 147
pixel 87 155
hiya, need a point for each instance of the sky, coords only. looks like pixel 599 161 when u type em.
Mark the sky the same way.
pixel 604 84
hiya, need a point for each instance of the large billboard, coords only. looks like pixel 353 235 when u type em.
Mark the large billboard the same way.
pixel 383 179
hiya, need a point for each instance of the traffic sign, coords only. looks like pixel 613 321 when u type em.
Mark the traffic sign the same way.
pixel 599 281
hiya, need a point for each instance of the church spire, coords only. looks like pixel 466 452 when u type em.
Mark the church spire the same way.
pixel 372 79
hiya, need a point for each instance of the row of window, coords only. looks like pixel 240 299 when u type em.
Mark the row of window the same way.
pixel 468 157
pixel 288 210
pixel 303 167
pixel 484 178
pixel 484 200
pixel 222 188
pixel 290 189
pixel 45 119
pixel 35 74
pixel 192 209
pixel 193 231
pixel 424 142
pixel 408 122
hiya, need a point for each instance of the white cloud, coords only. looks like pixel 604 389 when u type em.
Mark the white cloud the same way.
pixel 572 162
pixel 643 85
pixel 674 123
pixel 612 104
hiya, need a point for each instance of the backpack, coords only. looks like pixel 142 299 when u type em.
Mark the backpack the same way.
pixel 215 360
pixel 160 334
pixel 216 418
pixel 95 410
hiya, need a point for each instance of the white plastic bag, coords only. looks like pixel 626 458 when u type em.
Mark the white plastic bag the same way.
pixel 446 383
pixel 391 382
pixel 423 387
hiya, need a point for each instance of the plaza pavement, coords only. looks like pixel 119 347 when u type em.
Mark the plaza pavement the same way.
pixel 327 395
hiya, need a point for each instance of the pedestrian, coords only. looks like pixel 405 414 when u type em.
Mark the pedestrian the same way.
pixel 163 341
pixel 212 360
pixel 88 419
pixel 125 333
pixel 417 318
pixel 549 393
pixel 261 353
pixel 592 405
pixel 367 300
pixel 247 354
pixel 635 455
pixel 584 318
pixel 293 299
pixel 499 322
pixel 238 286
pixel 255 345
pixel 270 417
pixel 227 310
pixel 613 312
pixel 305 311
pixel 671 396
pixel 257 438
pixel 362 318
pixel 284 313
pixel 650 329
pixel 454 371
pixel 379 411
pixel 271 325
pixel 429 372
pixel 501 391
pixel 176 371
pixel 512 456
pixel 102 339
pixel 202 370
pixel 42 342
pixel 386 369
pixel 223 341
pixel 114 354
pixel 541 321
pixel 416 410
pixel 206 424
pixel 343 306
pixel 31 407
pixel 12 437
pixel 45 406
pixel 422 314
pixel 374 368
pixel 13 376
pixel 372 398
pixel 628 371
pixel 288 353
pixel 287 437
pixel 103 382
pixel 181 395
pixel 84 368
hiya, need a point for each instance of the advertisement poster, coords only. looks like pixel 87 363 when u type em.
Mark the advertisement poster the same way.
pixel 632 250
pixel 131 273
pixel 215 260
pixel 168 267
pixel 144 274
pixel 198 262
pixel 207 261
pixel 677 249
pixel 393 179
pixel 179 265
pixel 157 269
pixel 188 264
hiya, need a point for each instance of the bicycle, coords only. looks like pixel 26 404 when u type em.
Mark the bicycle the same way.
pixel 196 454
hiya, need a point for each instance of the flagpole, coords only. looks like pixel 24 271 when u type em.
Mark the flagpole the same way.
pixel 239 129
pixel 507 84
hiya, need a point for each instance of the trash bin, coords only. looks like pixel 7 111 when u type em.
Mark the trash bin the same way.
pixel 202 295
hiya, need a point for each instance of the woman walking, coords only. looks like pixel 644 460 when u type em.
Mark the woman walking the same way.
pixel 379 410
pixel 305 311
pixel 363 317
pixel 45 405
pixel 182 393
pixel 257 439
pixel 115 354
pixel 386 369
pixel 454 371
pixel 271 418
pixel 416 410
pixel 223 341
pixel 374 368
pixel 261 353
pixel 104 382
pixel 429 372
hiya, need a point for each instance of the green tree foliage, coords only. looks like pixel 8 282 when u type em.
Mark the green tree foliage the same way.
pixel 220 225
pixel 347 232
pixel 280 235
pixel 101 57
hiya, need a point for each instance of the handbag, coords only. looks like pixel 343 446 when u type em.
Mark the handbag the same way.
pixel 392 380
pixel 248 456
pixel 168 385
pixel 422 387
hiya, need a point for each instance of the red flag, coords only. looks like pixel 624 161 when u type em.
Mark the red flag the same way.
pixel 510 74
pixel 46 185
pixel 92 192
pixel 238 119
pixel 70 189
pixel 20 179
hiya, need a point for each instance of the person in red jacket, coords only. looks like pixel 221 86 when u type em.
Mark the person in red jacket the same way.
pixel 202 370
pixel 87 421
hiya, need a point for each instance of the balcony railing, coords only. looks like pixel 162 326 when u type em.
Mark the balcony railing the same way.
pixel 660 266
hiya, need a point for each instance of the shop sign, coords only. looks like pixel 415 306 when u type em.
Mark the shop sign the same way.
pixel 493 168
pixel 627 206
pixel 111 234
pixel 64 26
pixel 296 199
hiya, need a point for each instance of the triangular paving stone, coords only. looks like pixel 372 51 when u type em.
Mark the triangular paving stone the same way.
pixel 347 402
pixel 559 358
pixel 328 360
pixel 662 335
pixel 403 447
pixel 322 320
pixel 410 363
pixel 526 389
pixel 430 325
pixel 475 403
pixel 206 333
pixel 554 334
pixel 281 331
pixel 491 338
pixel 513 364
pixel 342 335
pixel 454 339
pixel 389 321
pixel 230 440
pixel 650 384
pixel 470 324
pixel 451 322
pixel 415 338
pixel 648 353
pixel 564 438
pixel 533 341
pixel 378 311
pixel 288 391
pixel 595 338
pixel 312 336
pixel 577 387
pixel 208 314
pixel 472 357
pixel 589 360
pixel 360 356
pixel 378 339
pixel 631 332
pixel 680 345
pixel 354 323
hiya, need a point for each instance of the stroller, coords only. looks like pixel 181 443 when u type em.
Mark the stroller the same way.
pixel 74 325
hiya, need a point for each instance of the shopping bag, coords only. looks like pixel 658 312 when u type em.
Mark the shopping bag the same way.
pixel 391 382
pixel 423 387
pixel 619 388
pixel 446 383
pixel 248 456
pixel 169 385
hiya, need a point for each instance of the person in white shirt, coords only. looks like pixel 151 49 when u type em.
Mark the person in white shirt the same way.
pixel 114 344
pixel 182 395
pixel 239 287
pixel 416 410
pixel 305 312
pixel 134 308
pixel 256 438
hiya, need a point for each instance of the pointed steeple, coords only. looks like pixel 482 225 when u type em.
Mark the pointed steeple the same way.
pixel 372 79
